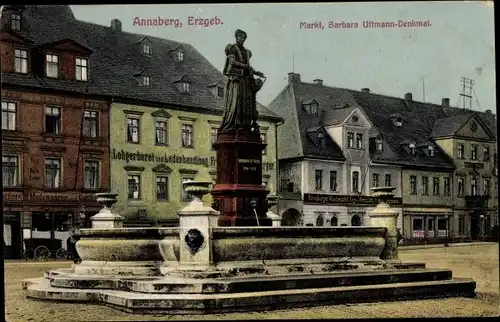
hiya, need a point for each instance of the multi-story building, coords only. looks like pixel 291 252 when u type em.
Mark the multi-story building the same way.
pixel 326 168
pixel 375 140
pixel 55 148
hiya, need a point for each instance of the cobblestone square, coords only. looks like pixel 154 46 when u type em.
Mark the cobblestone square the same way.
pixel 479 262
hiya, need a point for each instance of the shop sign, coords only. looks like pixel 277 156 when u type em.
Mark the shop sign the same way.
pixel 347 199
pixel 37 196
pixel 12 196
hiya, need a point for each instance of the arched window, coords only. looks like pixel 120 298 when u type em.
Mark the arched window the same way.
pixel 320 221
pixel 355 220
pixel 334 221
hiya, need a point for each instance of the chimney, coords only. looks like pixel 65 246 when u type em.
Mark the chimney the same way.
pixel 488 112
pixel 445 102
pixel 293 78
pixel 318 81
pixel 408 97
pixel 365 90
pixel 116 25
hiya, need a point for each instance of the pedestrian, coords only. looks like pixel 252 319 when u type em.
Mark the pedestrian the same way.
pixel 73 238
pixel 400 236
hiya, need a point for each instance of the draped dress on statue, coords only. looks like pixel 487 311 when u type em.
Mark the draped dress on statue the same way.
pixel 240 96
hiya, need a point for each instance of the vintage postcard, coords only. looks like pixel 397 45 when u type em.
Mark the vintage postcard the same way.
pixel 260 160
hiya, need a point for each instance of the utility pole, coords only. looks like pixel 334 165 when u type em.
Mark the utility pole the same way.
pixel 423 90
pixel 466 94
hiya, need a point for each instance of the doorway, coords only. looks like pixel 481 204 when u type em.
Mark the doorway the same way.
pixel 12 236
pixel 474 226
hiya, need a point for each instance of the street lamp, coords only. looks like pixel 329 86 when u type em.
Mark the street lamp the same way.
pixel 481 228
pixel 447 230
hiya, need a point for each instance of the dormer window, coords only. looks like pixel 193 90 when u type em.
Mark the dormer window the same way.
pixel 81 69
pixel 51 65
pixel 146 48
pixel 311 107
pixel 397 120
pixel 314 109
pixel 184 87
pixel 220 91
pixel 378 144
pixel 180 56
pixel 412 148
pixel 21 61
pixel 430 150
pixel 15 20
pixel 146 80
pixel 321 139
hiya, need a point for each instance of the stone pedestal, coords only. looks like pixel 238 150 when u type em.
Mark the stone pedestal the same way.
pixel 106 219
pixel 385 216
pixel 239 179
pixel 272 201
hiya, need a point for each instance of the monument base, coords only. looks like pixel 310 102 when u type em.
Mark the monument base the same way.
pixel 239 195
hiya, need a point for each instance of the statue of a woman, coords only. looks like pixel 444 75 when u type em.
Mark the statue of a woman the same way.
pixel 240 108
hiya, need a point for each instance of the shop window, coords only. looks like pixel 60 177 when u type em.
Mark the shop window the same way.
pixel 334 221
pixel 355 220
pixel 442 227
pixel 418 227
pixel 41 221
pixel 431 227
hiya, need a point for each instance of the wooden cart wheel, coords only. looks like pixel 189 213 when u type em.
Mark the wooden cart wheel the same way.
pixel 27 255
pixel 41 253
pixel 62 254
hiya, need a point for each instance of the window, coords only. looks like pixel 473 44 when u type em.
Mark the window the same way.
pixel 51 65
pixel 318 175
pixel 413 149
pixel 21 61
pixel 425 185
pixel 473 152
pixel 15 21
pixel 9 112
pixel 387 180
pixel 220 91
pixel 91 174
pixel 133 130
pixel 461 225
pixel 375 179
pixel 307 108
pixel 447 190
pixel 10 170
pixel 320 221
pixel 355 181
pixel 460 187
pixel 52 120
pixel 314 109
pixel 418 227
pixel 146 48
pixel 213 136
pixel 321 139
pixel 461 151
pixel 186 196
pixel 486 187
pixel 473 186
pixel 350 140
pixel 162 188
pixel 486 154
pixel 431 150
pixel 161 132
pixel 145 80
pixel 52 173
pixel 184 87
pixel 134 187
pixel 81 69
pixel 355 220
pixel 378 144
pixel 187 135
pixel 413 185
pixel 290 187
pixel 442 223
pixel 180 56
pixel 435 186
pixel 263 138
pixel 359 141
pixel 333 180
pixel 90 121
pixel 334 221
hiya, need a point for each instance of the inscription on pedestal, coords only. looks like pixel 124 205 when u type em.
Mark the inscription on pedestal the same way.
pixel 248 164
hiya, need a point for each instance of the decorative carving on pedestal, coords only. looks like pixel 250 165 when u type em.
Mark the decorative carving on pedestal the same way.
pixel 194 240
pixel 106 218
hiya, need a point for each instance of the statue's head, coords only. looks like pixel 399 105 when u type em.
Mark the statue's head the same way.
pixel 241 36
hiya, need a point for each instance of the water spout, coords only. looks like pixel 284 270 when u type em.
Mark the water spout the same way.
pixel 256 217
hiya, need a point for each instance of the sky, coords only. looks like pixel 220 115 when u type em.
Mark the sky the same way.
pixel 459 42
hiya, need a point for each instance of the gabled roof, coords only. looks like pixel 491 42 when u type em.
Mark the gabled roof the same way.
pixel 117 57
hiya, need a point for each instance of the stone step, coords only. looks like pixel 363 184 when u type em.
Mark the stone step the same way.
pixel 248 284
pixel 247 301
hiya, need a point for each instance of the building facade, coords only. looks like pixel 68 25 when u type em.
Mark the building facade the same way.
pixel 154 150
pixel 327 172
pixel 376 140
pixel 55 148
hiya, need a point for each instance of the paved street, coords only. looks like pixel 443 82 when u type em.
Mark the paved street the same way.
pixel 477 261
